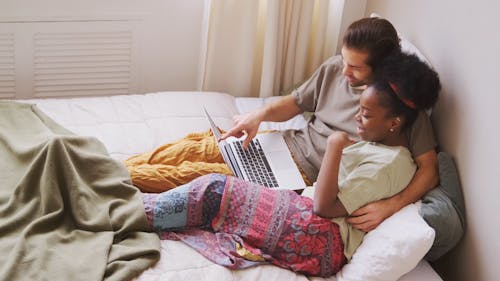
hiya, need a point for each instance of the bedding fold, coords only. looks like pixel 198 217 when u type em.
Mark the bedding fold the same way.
pixel 67 210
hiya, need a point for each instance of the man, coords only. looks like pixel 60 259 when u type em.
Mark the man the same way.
pixel 332 94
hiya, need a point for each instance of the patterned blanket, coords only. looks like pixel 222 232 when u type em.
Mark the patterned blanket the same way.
pixel 239 224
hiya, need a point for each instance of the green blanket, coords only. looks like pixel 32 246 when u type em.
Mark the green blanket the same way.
pixel 67 210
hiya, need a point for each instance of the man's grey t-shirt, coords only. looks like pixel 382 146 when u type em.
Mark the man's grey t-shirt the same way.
pixel 334 105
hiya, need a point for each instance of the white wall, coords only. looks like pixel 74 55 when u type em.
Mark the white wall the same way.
pixel 166 36
pixel 462 41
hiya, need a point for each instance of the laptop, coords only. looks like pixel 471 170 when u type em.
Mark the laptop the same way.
pixel 267 160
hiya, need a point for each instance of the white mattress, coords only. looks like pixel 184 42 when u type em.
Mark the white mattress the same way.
pixel 133 124
pixel 179 262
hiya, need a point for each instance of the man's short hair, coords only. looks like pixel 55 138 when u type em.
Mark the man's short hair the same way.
pixel 376 36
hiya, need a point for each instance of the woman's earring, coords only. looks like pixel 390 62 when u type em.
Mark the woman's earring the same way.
pixel 391 130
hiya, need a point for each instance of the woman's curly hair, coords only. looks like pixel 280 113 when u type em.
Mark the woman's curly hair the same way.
pixel 410 85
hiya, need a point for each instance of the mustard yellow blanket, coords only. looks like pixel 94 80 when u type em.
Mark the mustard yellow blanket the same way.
pixel 67 210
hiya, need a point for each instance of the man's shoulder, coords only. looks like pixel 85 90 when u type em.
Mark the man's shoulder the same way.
pixel 332 68
pixel 335 60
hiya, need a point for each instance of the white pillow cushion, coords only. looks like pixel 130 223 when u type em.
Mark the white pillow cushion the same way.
pixel 392 249
pixel 406 46
pixel 409 48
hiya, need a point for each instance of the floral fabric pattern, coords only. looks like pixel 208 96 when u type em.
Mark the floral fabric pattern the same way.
pixel 217 214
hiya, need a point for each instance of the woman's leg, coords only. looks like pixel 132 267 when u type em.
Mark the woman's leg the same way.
pixel 194 204
pixel 280 226
pixel 253 221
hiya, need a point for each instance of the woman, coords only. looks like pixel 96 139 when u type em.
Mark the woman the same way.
pixel 239 224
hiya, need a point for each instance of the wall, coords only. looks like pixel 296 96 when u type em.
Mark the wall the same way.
pixel 461 39
pixel 155 45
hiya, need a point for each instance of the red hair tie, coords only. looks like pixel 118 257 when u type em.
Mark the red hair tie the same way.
pixel 407 102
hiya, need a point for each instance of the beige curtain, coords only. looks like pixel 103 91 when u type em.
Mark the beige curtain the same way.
pixel 261 48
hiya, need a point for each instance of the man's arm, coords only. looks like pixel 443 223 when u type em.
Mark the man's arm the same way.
pixel 426 177
pixel 280 110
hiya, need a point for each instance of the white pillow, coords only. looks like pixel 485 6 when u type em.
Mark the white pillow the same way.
pixel 406 46
pixel 409 48
pixel 392 249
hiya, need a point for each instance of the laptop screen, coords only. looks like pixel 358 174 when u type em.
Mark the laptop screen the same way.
pixel 215 129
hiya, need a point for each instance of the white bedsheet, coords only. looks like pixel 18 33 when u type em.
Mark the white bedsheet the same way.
pixel 133 124
pixel 179 262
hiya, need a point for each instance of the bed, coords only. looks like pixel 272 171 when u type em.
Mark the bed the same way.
pixel 133 124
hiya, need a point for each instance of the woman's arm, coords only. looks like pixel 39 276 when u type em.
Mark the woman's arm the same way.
pixel 326 203
pixel 426 177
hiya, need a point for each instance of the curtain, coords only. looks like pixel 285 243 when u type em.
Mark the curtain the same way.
pixel 262 48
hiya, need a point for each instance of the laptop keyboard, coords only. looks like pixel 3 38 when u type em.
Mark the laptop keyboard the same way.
pixel 255 163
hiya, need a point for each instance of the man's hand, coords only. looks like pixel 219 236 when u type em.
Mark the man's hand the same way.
pixel 244 124
pixel 371 215
pixel 280 110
